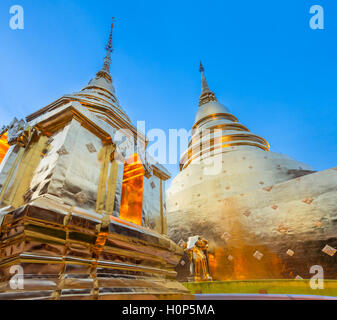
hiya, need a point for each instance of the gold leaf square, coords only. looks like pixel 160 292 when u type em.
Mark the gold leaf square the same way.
pixel 290 252
pixel 329 250
pixel 91 148
pixel 62 151
pixel 258 255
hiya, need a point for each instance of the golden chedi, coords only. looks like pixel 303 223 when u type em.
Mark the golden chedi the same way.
pixel 265 215
pixel 82 210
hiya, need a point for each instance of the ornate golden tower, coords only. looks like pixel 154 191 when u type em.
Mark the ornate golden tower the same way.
pixel 82 204
pixel 265 215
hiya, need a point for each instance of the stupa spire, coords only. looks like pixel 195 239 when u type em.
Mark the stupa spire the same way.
pixel 206 94
pixel 103 79
pixel 105 71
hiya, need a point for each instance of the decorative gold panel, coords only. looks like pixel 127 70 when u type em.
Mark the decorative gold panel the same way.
pixel 4 146
pixel 132 191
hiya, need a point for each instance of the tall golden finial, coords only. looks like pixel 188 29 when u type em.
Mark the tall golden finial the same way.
pixel 206 94
pixel 109 50
pixel 109 44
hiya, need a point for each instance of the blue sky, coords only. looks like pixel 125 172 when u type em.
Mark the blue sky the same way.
pixel 262 60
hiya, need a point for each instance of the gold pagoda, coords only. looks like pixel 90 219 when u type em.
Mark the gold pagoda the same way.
pixel 82 204
pixel 265 215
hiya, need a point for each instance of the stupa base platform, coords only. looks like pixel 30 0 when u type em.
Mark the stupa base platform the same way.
pixel 261 287
pixel 53 251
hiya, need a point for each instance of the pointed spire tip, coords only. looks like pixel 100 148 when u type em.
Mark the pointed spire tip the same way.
pixel 206 94
pixel 201 67
pixel 105 71
pixel 109 44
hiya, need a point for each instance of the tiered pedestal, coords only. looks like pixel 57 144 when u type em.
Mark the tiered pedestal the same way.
pixel 66 255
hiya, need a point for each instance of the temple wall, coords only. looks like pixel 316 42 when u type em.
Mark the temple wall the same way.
pixel 69 158
pixel 16 190
pixel 163 197
pixel 43 178
pixel 118 194
pixel 9 165
pixel 152 204
pixel 69 170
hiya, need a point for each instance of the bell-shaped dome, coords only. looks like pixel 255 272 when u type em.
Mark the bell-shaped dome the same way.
pixel 209 109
